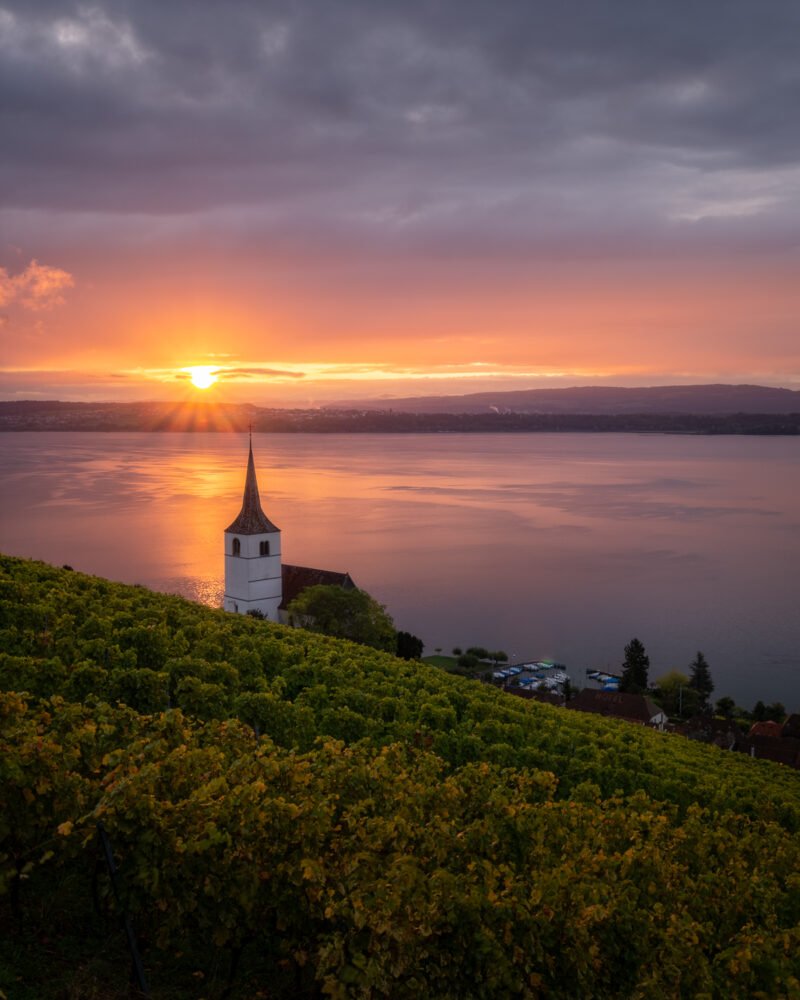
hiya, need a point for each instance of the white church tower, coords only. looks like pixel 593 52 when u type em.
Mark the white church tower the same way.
pixel 252 555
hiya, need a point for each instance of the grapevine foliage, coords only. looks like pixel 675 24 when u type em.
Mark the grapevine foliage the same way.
pixel 372 827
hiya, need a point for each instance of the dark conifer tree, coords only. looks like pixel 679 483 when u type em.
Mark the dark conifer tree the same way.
pixel 634 668
pixel 700 680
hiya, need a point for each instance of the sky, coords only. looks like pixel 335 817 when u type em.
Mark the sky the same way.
pixel 361 198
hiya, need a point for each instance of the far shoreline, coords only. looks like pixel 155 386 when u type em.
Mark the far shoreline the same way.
pixel 191 417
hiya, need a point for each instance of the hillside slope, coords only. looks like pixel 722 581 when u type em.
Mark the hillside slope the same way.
pixel 602 399
pixel 326 819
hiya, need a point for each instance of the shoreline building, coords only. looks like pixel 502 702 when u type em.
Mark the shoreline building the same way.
pixel 255 577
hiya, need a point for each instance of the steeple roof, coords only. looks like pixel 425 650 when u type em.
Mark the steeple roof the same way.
pixel 251 520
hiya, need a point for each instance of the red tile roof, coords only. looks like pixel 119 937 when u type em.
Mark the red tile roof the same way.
pixel 296 579
pixel 765 729
pixel 619 704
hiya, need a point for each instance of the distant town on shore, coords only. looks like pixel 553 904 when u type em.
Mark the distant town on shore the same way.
pixel 688 409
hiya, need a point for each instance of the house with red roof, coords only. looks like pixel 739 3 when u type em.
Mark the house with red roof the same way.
pixel 636 708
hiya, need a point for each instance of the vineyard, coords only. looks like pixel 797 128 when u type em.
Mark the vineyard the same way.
pixel 295 816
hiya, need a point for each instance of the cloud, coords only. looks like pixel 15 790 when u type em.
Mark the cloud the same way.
pixel 224 373
pixel 411 122
pixel 564 186
pixel 39 286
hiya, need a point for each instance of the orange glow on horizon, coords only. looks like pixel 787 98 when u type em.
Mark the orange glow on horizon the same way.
pixel 557 325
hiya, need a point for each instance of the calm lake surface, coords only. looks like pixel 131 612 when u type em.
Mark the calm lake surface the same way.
pixel 545 545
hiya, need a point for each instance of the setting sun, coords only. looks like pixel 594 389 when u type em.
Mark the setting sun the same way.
pixel 202 376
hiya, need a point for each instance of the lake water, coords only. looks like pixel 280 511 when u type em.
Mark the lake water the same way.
pixel 545 545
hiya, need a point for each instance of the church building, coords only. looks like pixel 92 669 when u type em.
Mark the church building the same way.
pixel 255 577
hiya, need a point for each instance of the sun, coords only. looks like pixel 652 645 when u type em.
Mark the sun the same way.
pixel 202 376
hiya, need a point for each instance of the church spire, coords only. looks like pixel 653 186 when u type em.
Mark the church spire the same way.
pixel 251 520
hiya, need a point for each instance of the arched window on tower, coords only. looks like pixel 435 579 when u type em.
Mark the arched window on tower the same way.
pixel 263 548
pixel 237 547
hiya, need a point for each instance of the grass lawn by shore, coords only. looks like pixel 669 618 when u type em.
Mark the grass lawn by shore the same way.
pixel 451 665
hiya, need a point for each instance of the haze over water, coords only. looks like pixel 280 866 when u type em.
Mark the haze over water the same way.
pixel 557 545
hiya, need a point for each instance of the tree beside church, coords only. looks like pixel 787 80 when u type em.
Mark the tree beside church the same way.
pixel 344 614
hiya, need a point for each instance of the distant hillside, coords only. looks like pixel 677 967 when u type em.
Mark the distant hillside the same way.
pixel 600 400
